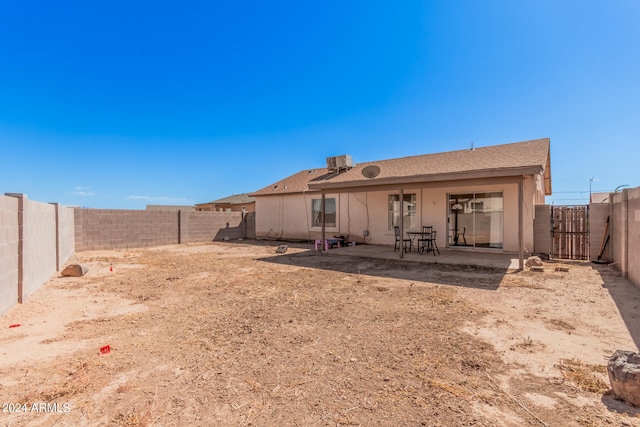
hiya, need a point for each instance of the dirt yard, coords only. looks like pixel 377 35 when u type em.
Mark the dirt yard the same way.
pixel 235 334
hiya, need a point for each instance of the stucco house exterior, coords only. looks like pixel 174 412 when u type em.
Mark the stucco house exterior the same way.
pixel 478 199
pixel 234 203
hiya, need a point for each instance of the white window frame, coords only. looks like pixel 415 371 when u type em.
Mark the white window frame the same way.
pixel 327 225
pixel 406 213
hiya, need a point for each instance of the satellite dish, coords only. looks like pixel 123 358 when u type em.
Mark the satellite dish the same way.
pixel 371 171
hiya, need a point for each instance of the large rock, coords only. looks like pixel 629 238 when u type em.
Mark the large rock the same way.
pixel 75 270
pixel 533 261
pixel 624 376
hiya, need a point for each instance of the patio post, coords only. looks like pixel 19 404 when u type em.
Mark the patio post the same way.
pixel 322 217
pixel 520 225
pixel 401 222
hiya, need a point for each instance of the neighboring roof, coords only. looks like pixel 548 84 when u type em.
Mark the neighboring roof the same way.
pixel 236 199
pixel 519 158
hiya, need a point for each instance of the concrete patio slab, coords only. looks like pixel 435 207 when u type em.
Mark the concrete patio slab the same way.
pixel 476 258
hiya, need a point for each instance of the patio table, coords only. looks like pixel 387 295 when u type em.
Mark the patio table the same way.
pixel 424 235
pixel 413 234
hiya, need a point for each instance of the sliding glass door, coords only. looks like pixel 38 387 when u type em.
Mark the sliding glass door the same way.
pixel 475 220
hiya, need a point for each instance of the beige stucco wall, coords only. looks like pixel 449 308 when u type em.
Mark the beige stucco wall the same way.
pixel 289 216
pixel 283 217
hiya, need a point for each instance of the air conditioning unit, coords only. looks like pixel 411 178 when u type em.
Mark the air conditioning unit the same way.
pixel 338 163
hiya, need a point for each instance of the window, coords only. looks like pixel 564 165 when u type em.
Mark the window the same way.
pixel 408 209
pixel 329 215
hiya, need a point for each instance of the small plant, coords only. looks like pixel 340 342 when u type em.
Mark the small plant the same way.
pixel 526 342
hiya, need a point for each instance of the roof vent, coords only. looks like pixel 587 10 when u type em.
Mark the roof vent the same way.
pixel 371 171
pixel 339 163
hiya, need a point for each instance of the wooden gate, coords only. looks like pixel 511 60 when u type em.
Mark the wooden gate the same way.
pixel 570 232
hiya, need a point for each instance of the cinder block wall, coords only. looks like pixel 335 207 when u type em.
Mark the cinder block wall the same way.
pixel 116 228
pixel 206 226
pixel 633 245
pixel 250 224
pixel 623 211
pixel 542 230
pixel 8 252
pixel 113 229
pixel 66 238
pixel 618 230
pixel 39 243
pixel 598 214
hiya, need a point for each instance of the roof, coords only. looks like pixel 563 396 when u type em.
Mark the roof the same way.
pixel 519 158
pixel 236 199
pixel 296 183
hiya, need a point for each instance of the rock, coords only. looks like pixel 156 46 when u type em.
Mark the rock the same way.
pixel 536 268
pixel 282 249
pixel 533 261
pixel 75 270
pixel 624 376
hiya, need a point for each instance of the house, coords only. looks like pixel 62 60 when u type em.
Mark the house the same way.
pixel 480 198
pixel 235 203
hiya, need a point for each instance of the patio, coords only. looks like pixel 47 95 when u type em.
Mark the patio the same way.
pixel 488 259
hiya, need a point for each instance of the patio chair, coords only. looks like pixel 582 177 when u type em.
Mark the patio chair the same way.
pixel 406 242
pixel 459 235
pixel 423 241
pixel 432 243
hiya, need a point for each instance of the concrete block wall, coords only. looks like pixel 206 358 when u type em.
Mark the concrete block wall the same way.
pixel 39 245
pixel 618 230
pixel 250 224
pixel 115 228
pixel 66 235
pixel 542 230
pixel 633 234
pixel 598 214
pixel 37 239
pixel 97 229
pixel 623 211
pixel 206 226
pixel 8 252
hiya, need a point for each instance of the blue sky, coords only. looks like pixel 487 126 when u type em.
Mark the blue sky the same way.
pixel 123 104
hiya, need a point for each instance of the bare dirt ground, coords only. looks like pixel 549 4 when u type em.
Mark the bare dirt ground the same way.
pixel 235 334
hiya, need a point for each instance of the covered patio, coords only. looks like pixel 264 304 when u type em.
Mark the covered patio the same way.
pixel 463 201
